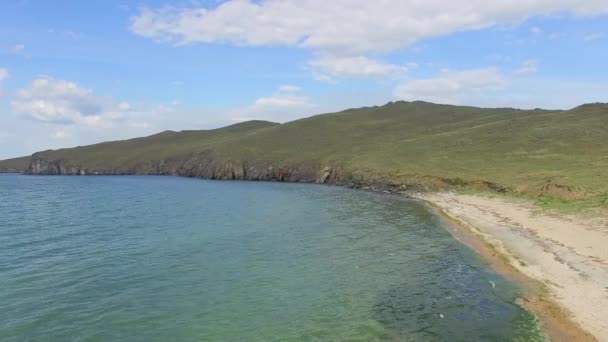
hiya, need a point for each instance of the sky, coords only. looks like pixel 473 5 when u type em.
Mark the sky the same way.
pixel 81 72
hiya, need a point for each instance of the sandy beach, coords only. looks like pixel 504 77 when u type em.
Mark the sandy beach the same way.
pixel 568 254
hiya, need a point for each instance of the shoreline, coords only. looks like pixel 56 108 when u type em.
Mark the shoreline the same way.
pixel 558 260
pixel 478 228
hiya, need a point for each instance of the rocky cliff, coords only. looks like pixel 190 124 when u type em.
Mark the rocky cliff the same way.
pixel 202 168
pixel 205 167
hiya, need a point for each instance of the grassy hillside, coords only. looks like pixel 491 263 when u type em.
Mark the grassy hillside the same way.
pixel 164 145
pixel 557 156
pixel 14 165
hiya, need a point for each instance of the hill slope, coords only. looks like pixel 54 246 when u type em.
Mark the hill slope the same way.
pixel 404 145
pixel 15 164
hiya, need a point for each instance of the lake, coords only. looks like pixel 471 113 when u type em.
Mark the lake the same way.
pixel 145 258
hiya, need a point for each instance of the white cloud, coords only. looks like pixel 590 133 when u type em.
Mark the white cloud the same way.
pixel 60 134
pixel 18 48
pixel 288 88
pixel 4 74
pixel 354 67
pixel 138 124
pixel 412 66
pixel 342 27
pixel 536 30
pixel 124 106
pixel 554 36
pixel 73 35
pixel 554 93
pixel 527 68
pixel 284 97
pixel 284 105
pixel 499 58
pixel 281 101
pixel 593 36
pixel 165 109
pixel 322 77
pixel 454 87
pixel 62 102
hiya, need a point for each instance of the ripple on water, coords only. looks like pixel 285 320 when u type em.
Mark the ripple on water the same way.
pixel 163 258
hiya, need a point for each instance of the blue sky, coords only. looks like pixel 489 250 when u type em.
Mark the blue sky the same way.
pixel 80 72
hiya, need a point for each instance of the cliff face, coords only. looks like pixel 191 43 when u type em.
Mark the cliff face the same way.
pixel 40 166
pixel 205 168
pixel 209 168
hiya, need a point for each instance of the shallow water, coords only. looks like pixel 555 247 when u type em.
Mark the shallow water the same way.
pixel 173 259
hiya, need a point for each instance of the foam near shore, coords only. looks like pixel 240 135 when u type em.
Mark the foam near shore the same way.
pixel 566 254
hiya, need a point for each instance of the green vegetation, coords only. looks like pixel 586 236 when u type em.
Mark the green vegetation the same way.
pixel 14 165
pixel 165 145
pixel 559 158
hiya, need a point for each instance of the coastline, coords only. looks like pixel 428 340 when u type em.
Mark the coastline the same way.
pixel 561 262
pixel 561 277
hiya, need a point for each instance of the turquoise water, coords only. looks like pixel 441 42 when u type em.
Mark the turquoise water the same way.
pixel 174 259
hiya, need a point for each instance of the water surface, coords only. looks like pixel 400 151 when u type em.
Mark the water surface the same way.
pixel 173 259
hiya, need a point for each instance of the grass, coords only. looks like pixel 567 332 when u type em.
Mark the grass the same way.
pixel 547 203
pixel 15 164
pixel 520 150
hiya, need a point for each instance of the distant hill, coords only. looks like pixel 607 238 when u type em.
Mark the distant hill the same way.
pixel 15 164
pixel 550 154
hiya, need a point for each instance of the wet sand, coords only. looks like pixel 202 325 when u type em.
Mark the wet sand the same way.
pixel 561 261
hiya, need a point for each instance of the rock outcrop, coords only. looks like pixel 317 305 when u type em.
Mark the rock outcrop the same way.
pixel 206 167
pixel 40 166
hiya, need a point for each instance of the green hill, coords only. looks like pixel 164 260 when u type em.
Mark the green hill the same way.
pixel 555 156
pixel 127 154
pixel 15 164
